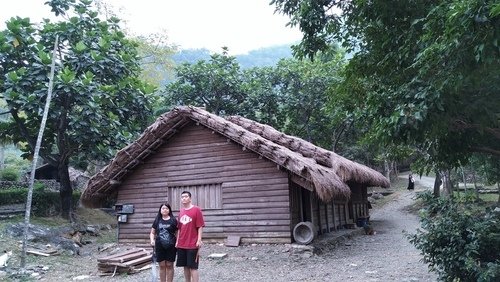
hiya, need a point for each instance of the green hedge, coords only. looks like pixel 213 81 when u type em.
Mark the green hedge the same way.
pixel 460 240
pixel 44 203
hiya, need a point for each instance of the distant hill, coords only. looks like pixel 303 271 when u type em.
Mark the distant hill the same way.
pixel 263 57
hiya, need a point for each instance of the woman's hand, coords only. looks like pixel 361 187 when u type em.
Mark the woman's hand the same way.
pixel 152 243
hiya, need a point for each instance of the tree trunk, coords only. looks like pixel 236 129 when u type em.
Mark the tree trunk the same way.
pixel 464 179
pixel 474 180
pixel 437 185
pixel 395 169
pixel 2 157
pixel 387 170
pixel 447 185
pixel 65 191
pixel 498 186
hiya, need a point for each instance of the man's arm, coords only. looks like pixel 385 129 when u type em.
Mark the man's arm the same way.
pixel 200 232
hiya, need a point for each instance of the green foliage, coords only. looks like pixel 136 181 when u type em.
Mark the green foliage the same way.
pixel 423 73
pixel 459 241
pixel 99 103
pixel 488 167
pixel 13 159
pixel 9 174
pixel 215 85
pixel 304 87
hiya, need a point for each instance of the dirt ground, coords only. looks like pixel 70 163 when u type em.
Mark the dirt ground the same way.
pixel 346 256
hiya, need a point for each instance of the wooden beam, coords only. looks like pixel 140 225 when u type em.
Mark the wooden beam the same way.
pixel 302 182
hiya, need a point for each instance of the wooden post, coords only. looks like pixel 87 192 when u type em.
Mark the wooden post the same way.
pixel 334 216
pixel 36 153
pixel 326 218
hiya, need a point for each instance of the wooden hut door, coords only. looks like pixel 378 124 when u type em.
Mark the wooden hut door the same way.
pixel 300 204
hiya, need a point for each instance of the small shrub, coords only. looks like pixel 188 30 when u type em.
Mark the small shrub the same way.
pixel 9 174
pixel 459 241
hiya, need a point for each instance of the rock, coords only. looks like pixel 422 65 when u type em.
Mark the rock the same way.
pixel 306 255
pixel 217 256
pixel 92 230
pixel 81 277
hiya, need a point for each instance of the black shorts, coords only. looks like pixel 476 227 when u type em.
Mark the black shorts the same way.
pixel 187 258
pixel 165 254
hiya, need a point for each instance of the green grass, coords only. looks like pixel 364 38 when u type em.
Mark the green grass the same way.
pixel 490 198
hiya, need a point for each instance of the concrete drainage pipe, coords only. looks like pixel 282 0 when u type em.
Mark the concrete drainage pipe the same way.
pixel 304 232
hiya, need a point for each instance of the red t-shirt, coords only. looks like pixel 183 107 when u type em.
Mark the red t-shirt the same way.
pixel 189 222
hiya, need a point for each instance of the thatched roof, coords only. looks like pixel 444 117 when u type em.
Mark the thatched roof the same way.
pixel 327 172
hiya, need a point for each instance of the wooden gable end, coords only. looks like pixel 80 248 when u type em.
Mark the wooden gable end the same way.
pixel 241 194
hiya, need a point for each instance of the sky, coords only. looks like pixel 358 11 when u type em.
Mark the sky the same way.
pixel 240 25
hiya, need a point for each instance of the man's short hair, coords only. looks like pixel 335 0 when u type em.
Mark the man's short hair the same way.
pixel 186 192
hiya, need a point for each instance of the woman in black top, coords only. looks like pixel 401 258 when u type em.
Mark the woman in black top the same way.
pixel 411 182
pixel 162 237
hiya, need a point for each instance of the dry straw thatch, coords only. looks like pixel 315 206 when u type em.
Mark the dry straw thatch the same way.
pixel 328 172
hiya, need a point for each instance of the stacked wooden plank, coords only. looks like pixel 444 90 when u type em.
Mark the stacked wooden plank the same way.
pixel 129 261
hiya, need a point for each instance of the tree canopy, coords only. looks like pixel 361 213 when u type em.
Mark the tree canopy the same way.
pixel 424 73
pixel 98 101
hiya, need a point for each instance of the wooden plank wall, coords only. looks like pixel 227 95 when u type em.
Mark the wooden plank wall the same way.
pixel 359 200
pixel 328 217
pixel 255 193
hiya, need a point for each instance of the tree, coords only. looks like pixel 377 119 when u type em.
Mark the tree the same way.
pixel 214 84
pixel 423 73
pixel 98 101
pixel 156 58
pixel 304 86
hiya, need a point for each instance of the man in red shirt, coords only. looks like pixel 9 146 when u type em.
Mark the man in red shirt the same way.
pixel 190 227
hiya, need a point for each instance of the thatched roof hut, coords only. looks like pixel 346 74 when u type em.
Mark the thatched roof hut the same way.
pixel 325 171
